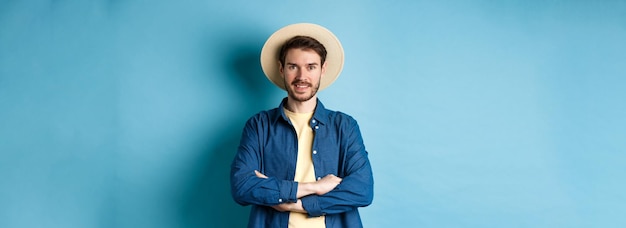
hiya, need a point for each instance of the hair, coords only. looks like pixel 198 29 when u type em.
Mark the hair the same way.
pixel 305 43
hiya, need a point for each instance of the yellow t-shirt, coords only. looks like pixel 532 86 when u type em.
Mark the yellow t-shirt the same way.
pixel 304 165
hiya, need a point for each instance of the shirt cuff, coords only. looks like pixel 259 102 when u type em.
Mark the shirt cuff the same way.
pixel 312 206
pixel 288 191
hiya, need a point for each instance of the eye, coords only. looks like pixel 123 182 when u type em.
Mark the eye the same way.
pixel 291 67
pixel 312 67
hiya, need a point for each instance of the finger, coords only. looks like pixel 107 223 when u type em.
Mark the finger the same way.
pixel 278 208
pixel 259 175
pixel 334 177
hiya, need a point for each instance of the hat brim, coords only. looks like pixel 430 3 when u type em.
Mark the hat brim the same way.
pixel 271 50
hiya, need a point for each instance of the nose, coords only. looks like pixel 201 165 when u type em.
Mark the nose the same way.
pixel 299 73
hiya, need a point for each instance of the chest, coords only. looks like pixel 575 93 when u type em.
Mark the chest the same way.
pixel 280 152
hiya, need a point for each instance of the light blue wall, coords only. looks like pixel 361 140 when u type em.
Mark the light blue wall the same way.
pixel 476 113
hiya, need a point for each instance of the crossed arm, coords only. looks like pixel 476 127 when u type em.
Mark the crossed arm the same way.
pixel 350 187
pixel 320 187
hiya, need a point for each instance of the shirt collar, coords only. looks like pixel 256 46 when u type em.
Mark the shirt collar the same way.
pixel 321 114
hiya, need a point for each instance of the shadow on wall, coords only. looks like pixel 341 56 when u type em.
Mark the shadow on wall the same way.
pixel 207 201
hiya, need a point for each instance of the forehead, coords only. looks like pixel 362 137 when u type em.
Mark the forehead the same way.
pixel 297 55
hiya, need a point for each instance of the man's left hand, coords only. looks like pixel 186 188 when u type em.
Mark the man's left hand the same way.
pixel 292 207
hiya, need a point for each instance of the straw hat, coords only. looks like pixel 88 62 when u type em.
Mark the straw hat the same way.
pixel 271 49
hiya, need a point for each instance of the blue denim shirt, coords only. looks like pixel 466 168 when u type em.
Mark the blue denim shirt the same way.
pixel 269 144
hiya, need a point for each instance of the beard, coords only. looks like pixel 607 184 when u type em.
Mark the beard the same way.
pixel 304 96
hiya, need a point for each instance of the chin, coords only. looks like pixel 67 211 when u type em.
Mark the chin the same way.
pixel 302 98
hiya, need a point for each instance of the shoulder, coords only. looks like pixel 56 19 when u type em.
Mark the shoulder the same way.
pixel 264 116
pixel 331 115
pixel 339 118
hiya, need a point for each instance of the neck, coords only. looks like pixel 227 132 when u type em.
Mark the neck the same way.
pixel 301 106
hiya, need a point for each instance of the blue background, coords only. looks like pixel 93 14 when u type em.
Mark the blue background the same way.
pixel 475 113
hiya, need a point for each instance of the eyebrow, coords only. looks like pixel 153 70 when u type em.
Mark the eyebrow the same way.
pixel 308 64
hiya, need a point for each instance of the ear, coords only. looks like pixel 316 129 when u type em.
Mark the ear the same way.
pixel 324 68
pixel 280 69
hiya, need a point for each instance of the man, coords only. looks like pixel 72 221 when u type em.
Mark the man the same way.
pixel 302 165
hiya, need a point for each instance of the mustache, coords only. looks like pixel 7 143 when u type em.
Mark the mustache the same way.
pixel 300 82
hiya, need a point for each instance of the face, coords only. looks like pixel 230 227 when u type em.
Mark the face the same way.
pixel 302 73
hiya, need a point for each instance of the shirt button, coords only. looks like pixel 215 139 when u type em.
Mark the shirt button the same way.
pixel 280 200
pixel 317 127
pixel 315 152
pixel 318 178
pixel 313 121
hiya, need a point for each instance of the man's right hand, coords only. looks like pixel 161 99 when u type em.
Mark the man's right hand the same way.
pixel 319 187
pixel 326 184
